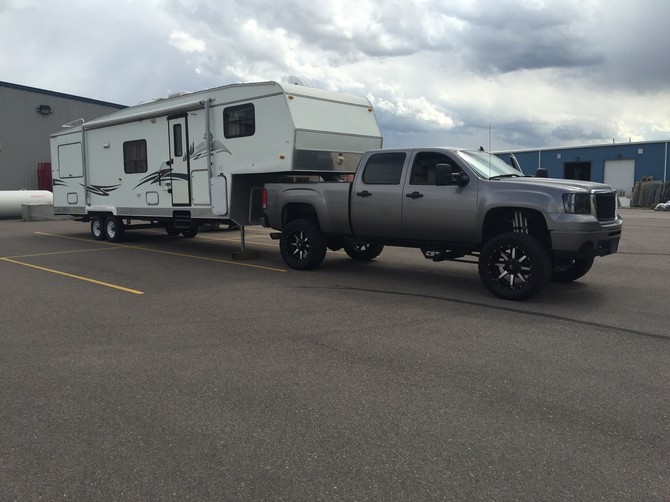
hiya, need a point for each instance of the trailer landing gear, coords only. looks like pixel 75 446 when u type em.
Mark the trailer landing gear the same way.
pixel 244 253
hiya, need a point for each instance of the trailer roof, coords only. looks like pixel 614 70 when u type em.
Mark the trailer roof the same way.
pixel 237 92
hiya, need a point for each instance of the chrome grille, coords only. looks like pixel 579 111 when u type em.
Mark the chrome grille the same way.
pixel 606 204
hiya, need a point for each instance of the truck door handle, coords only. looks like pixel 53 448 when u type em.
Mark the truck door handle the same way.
pixel 364 193
pixel 414 195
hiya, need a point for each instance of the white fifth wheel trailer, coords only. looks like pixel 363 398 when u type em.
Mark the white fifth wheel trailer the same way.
pixel 202 157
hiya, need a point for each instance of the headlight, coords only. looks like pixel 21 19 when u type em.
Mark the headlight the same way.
pixel 577 203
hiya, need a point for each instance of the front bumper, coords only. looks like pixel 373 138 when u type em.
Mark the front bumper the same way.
pixel 585 237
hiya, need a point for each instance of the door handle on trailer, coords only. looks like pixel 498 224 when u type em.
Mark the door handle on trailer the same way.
pixel 414 195
pixel 364 193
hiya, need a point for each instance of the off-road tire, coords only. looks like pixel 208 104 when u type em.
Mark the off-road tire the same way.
pixel 514 266
pixel 363 252
pixel 302 245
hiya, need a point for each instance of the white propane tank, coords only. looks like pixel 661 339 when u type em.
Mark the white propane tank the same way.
pixel 12 200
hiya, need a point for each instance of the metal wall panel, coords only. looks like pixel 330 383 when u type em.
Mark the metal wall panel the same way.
pixel 649 157
pixel 28 116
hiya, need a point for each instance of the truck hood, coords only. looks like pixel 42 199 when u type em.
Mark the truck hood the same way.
pixel 555 183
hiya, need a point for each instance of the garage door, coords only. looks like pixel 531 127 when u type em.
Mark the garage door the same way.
pixel 621 175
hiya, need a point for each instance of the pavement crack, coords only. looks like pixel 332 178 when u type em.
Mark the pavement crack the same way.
pixel 496 307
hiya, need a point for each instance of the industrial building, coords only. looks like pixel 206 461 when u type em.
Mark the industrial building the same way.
pixel 28 116
pixel 621 165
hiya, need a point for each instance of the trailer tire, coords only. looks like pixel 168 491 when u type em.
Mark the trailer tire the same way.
pixel 363 252
pixel 302 245
pixel 114 229
pixel 98 228
pixel 171 230
pixel 189 233
pixel 566 270
pixel 514 266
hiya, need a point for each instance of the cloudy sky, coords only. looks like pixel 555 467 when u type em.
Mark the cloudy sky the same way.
pixel 505 73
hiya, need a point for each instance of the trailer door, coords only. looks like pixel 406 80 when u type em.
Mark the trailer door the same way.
pixel 179 161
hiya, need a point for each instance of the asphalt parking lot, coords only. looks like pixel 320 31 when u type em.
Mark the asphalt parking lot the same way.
pixel 161 368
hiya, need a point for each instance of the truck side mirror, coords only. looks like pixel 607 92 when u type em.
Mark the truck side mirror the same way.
pixel 541 173
pixel 445 175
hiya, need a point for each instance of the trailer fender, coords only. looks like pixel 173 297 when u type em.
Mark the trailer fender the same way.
pixel 101 209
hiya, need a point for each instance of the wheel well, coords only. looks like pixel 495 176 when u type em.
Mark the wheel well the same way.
pixel 298 211
pixel 515 219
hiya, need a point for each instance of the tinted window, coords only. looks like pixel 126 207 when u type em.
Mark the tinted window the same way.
pixel 423 170
pixel 135 156
pixel 239 121
pixel 384 169
pixel 176 140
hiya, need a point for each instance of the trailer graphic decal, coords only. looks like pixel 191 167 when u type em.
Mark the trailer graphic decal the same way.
pixel 164 174
pixel 197 152
pixel 102 190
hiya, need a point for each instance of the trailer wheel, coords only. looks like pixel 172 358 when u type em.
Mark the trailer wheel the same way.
pixel 189 232
pixel 566 270
pixel 98 228
pixel 302 245
pixel 363 252
pixel 514 266
pixel 114 229
pixel 171 230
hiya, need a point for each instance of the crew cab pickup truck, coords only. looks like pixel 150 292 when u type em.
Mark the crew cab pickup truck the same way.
pixel 523 231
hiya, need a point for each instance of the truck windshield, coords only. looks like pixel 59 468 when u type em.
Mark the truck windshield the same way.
pixel 487 165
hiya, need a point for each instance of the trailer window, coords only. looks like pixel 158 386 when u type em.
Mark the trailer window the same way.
pixel 176 140
pixel 135 156
pixel 239 121
pixel 384 169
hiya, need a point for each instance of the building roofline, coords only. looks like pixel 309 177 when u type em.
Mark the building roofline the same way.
pixel 60 95
pixel 575 147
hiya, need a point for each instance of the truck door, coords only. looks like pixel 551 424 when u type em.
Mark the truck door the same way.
pixel 376 197
pixel 438 213
pixel 179 161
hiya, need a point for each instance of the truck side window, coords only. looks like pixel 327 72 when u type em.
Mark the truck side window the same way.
pixel 423 169
pixel 384 169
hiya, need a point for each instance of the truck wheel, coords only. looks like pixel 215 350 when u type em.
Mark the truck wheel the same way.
pixel 363 252
pixel 514 266
pixel 189 233
pixel 566 270
pixel 171 230
pixel 114 229
pixel 98 228
pixel 302 245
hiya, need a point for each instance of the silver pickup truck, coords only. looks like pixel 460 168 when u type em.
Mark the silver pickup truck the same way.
pixel 524 231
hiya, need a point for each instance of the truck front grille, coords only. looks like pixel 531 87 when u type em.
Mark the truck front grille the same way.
pixel 606 204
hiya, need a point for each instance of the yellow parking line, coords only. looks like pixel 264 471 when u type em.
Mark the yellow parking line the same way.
pixel 112 244
pixel 60 252
pixel 216 260
pixel 184 255
pixel 79 277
